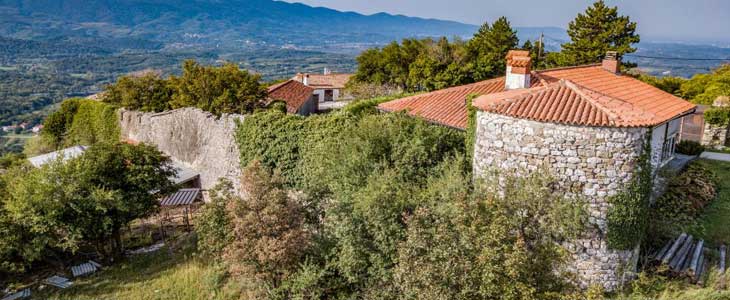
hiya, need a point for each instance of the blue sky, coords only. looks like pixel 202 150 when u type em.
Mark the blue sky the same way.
pixel 681 20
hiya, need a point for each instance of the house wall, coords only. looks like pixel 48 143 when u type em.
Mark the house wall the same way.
pixel 309 107
pixel 193 137
pixel 320 94
pixel 591 162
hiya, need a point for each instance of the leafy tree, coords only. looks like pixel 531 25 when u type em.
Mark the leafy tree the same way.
pixel 483 245
pixel 596 31
pixel 669 84
pixel 148 92
pixel 218 90
pixel 270 235
pixel 89 199
pixel 705 88
pixel 488 49
pixel 213 225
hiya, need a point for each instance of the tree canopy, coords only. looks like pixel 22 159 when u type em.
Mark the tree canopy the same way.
pixel 63 206
pixel 598 30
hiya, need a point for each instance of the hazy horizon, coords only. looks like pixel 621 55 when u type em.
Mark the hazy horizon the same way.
pixel 672 20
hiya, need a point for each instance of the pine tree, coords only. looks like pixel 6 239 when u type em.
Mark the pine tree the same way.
pixel 488 49
pixel 598 30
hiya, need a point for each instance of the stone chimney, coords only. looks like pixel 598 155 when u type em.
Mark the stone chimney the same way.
pixel 518 70
pixel 611 62
pixel 305 79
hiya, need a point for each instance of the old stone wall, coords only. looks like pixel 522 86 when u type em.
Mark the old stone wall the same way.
pixel 193 137
pixel 716 136
pixel 590 161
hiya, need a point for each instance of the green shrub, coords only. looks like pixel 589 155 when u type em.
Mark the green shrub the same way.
pixel 690 148
pixel 213 225
pixel 80 122
pixel 717 116
pixel 94 122
pixel 685 198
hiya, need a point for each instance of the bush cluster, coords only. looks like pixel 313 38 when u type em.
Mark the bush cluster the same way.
pixel 690 148
pixel 374 197
pixel 79 122
pixel 718 116
pixel 685 198
pixel 219 90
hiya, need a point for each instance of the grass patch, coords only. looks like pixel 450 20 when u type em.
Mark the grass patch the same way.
pixel 715 220
pixel 159 275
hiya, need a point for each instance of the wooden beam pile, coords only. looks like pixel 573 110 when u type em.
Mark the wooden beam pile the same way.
pixel 684 256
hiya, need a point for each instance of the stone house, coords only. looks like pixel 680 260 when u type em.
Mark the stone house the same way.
pixel 328 86
pixel 586 124
pixel 298 97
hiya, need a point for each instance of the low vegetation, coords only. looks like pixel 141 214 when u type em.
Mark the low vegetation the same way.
pixel 50 213
pixel 700 89
pixel 687 147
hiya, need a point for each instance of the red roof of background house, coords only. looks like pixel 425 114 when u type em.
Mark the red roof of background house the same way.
pixel 294 93
pixel 321 81
pixel 622 100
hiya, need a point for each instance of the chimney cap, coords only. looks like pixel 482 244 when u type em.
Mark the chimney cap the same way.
pixel 612 55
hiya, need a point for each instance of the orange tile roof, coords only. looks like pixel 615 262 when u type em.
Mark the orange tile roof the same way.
pixel 294 93
pixel 447 106
pixel 321 81
pixel 631 90
pixel 619 98
pixel 567 103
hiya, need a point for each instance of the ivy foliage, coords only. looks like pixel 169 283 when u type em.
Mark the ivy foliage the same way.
pixel 81 122
pixel 719 116
pixel 629 210
pixel 471 127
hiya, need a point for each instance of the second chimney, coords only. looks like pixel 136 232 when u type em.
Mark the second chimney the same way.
pixel 611 62
pixel 518 70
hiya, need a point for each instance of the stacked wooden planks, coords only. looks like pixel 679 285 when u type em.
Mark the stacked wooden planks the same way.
pixel 684 256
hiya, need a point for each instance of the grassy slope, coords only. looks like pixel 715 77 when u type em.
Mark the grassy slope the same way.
pixel 158 275
pixel 716 229
pixel 716 218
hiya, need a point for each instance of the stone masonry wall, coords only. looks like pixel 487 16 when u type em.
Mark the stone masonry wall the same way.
pixel 193 137
pixel 595 162
pixel 715 136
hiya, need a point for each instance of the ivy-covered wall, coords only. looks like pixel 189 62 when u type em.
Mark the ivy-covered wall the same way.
pixel 593 164
pixel 81 122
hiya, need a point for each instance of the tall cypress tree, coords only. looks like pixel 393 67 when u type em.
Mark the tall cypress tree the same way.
pixel 598 30
pixel 488 49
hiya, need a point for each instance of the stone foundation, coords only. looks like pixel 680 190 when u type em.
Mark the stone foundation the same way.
pixel 193 137
pixel 593 162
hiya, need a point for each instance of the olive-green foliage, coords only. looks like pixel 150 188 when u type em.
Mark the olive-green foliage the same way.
pixel 81 122
pixel 596 31
pixel 718 116
pixel 85 200
pixel 705 88
pixel 94 122
pixel 213 224
pixel 690 147
pixel 59 122
pixel 425 65
pixel 628 213
pixel 479 245
pixel 148 93
pixel 218 90
pixel 685 198
pixel 471 127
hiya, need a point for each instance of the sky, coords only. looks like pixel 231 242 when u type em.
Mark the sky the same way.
pixel 658 20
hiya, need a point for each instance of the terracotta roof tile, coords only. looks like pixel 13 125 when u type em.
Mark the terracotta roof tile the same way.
pixel 319 81
pixel 568 103
pixel 590 95
pixel 294 93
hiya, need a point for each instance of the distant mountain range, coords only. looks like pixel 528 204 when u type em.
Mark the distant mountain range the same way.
pixel 214 23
